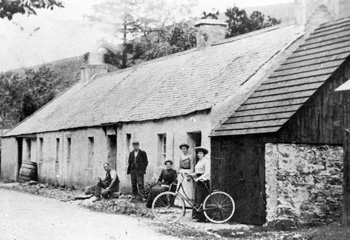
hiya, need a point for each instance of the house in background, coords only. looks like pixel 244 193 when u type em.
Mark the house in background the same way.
pixel 198 96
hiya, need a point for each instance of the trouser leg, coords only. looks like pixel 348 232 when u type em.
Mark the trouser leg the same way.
pixel 106 193
pixel 90 189
pixel 133 176
pixel 140 184
pixel 99 187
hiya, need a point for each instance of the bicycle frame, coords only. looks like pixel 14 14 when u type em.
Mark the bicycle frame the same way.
pixel 186 198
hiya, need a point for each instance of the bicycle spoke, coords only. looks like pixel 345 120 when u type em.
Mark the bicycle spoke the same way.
pixel 219 207
pixel 168 207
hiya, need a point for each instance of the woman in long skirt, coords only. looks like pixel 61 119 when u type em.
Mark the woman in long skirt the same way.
pixel 186 166
pixel 201 176
pixel 166 179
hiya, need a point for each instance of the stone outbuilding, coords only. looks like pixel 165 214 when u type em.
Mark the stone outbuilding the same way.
pixel 263 102
pixel 280 154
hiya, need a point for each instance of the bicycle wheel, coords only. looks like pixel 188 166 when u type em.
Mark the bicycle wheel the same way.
pixel 218 207
pixel 168 207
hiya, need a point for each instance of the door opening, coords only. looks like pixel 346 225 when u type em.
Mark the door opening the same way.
pixel 112 151
pixel 19 155
pixel 194 139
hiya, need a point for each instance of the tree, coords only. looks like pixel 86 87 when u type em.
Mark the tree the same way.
pixel 165 40
pixel 239 22
pixel 22 94
pixel 9 98
pixel 10 7
pixel 39 87
pixel 210 15
pixel 144 20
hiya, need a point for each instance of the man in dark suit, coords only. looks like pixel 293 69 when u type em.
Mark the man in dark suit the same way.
pixel 137 169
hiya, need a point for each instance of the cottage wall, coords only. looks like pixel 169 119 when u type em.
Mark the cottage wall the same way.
pixel 56 164
pixel 147 133
pixel 9 163
pixel 89 149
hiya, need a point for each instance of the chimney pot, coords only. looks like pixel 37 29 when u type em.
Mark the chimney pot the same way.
pixel 210 31
pixel 95 65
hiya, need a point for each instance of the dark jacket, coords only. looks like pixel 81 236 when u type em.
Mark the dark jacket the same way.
pixel 140 164
pixel 167 177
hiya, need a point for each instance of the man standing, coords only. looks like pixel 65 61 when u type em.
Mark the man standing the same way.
pixel 109 184
pixel 137 169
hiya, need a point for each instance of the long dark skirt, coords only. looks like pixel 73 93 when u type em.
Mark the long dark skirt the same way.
pixel 155 191
pixel 201 192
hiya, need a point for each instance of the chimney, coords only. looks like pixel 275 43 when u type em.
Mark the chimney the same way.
pixel 95 66
pixel 311 13
pixel 210 31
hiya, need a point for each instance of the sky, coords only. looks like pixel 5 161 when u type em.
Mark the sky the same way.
pixel 62 33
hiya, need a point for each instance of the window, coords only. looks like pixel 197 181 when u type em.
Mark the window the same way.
pixel 112 151
pixel 161 148
pixel 41 149
pixel 90 151
pixel 29 149
pixel 69 147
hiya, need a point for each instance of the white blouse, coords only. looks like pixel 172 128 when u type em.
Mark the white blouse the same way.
pixel 203 167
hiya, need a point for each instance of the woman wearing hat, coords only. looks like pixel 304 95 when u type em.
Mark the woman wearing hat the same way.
pixel 166 178
pixel 186 166
pixel 201 177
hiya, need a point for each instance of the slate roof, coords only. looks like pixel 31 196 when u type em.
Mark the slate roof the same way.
pixel 293 83
pixel 171 86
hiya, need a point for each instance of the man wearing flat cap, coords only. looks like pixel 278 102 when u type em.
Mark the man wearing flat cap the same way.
pixel 137 169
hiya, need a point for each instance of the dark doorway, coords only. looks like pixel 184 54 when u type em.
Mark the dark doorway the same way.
pixel 238 168
pixel 194 139
pixel 19 155
pixel 29 149
pixel 112 151
pixel 57 160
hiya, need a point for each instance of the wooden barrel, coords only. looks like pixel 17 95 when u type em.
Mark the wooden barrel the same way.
pixel 28 172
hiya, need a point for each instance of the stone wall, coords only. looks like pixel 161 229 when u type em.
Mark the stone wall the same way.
pixel 303 183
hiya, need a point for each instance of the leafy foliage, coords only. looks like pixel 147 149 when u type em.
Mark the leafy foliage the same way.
pixel 239 22
pixel 210 15
pixel 152 38
pixel 166 40
pixel 22 95
pixel 10 7
pixel 145 29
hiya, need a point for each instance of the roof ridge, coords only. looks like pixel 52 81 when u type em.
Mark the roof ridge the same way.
pixel 225 41
pixel 146 62
pixel 253 33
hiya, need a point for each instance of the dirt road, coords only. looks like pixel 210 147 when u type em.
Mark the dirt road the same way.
pixel 24 216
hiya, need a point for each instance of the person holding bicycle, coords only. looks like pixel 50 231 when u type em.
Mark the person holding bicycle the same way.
pixel 213 205
pixel 201 177
pixel 186 166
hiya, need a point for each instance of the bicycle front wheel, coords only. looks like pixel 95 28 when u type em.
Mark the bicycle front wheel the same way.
pixel 219 207
pixel 168 207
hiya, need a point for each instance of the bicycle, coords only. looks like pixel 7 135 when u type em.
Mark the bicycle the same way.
pixel 169 207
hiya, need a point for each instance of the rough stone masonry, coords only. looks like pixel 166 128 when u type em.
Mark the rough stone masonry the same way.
pixel 304 183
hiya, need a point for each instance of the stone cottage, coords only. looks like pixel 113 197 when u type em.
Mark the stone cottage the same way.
pixel 188 97
pixel 160 103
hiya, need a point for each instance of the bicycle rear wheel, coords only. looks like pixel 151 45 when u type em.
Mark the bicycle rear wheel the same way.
pixel 168 207
pixel 219 207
